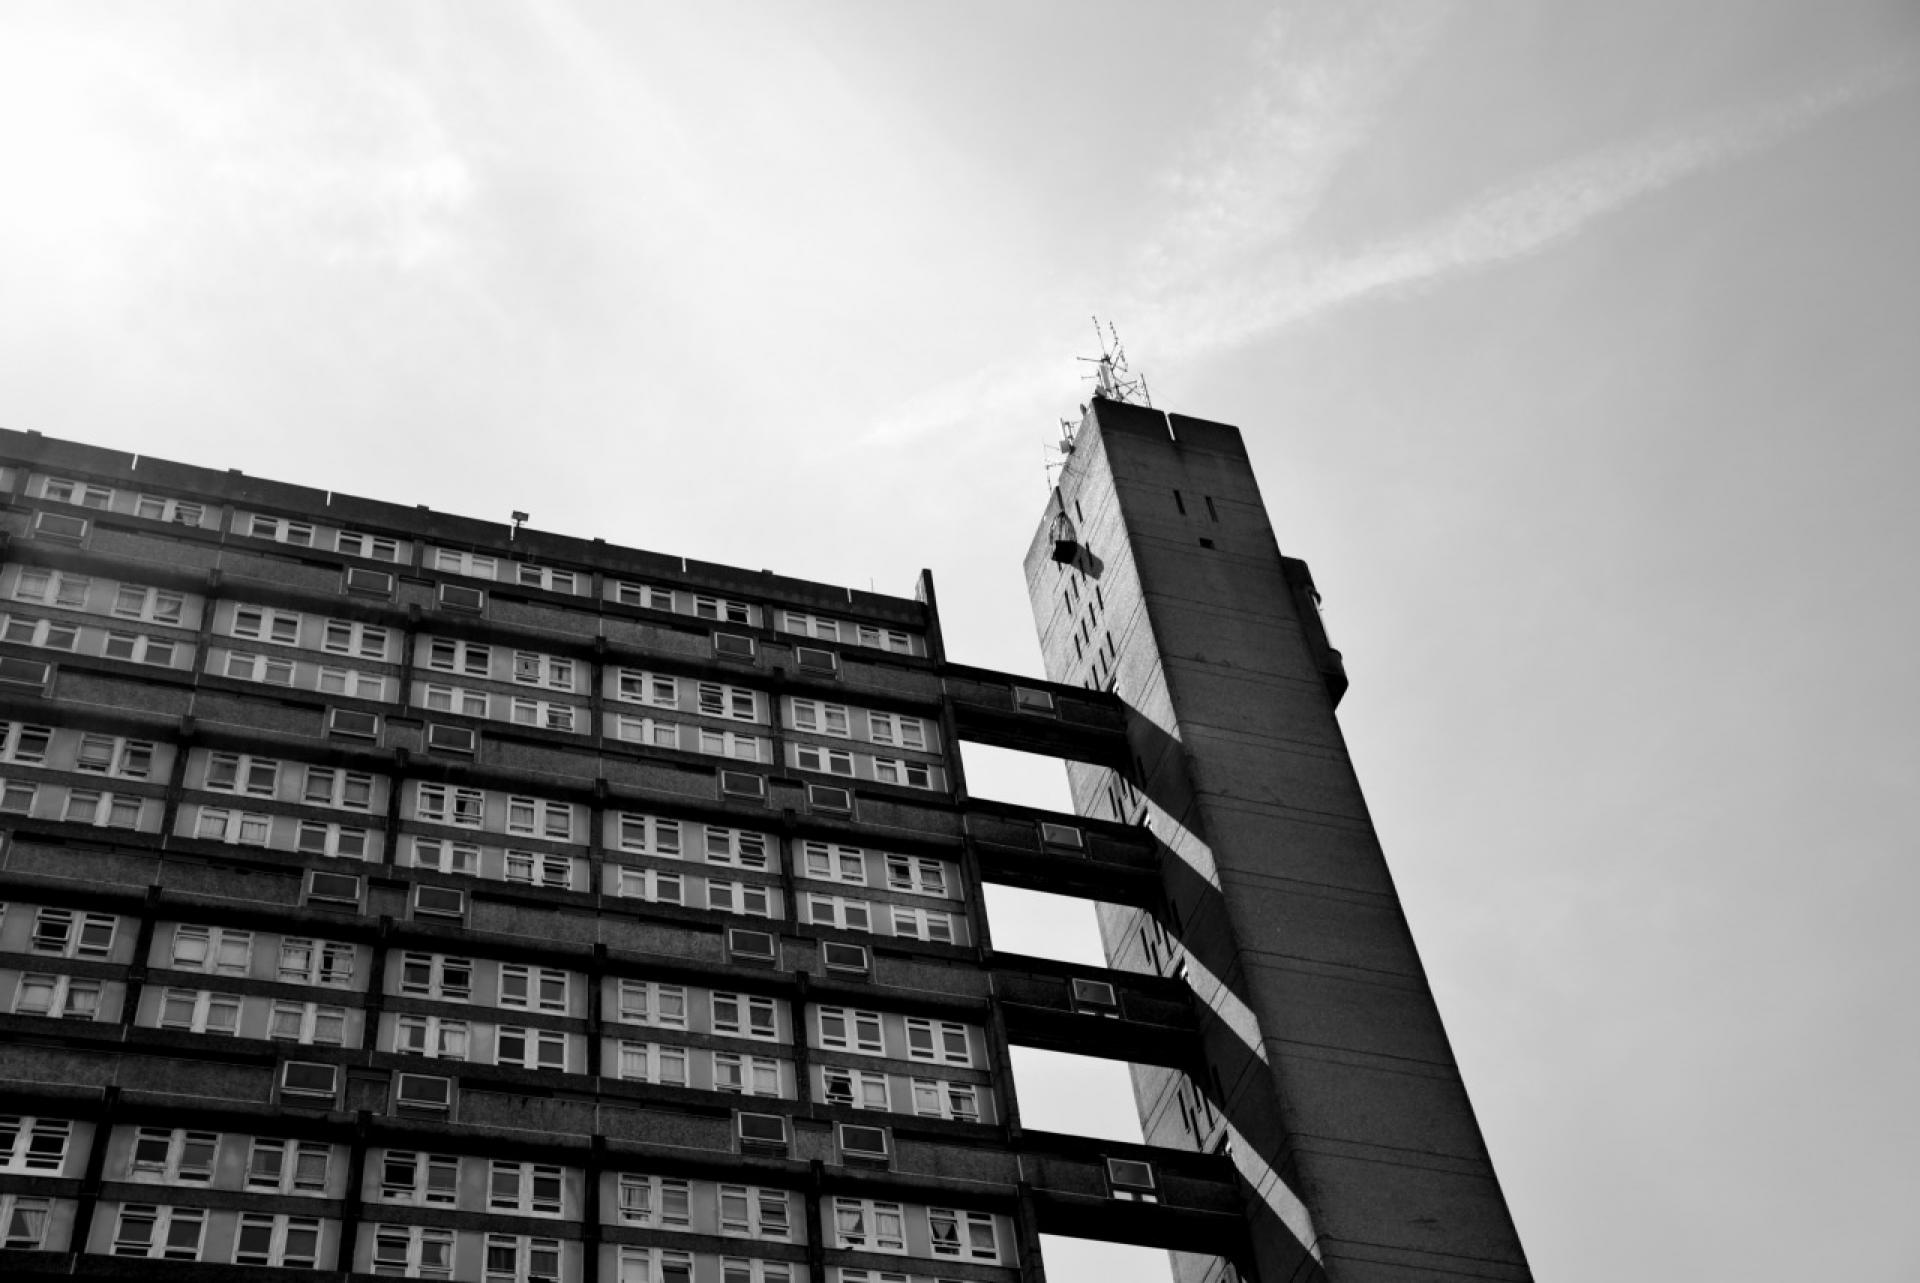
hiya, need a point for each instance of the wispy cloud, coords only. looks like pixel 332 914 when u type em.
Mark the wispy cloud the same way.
pixel 1228 268
pixel 1522 218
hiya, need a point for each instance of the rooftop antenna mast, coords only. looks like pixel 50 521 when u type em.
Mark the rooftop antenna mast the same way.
pixel 1113 379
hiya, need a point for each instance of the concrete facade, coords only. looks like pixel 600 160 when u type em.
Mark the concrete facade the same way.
pixel 1325 1072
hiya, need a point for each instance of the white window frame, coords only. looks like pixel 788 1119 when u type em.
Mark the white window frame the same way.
pixel 897 730
pixel 356 543
pixel 356 639
pixel 286 530
pixel 544 714
pixel 861 1032
pixel 736 848
pixel 856 1088
pixel 433 1037
pixel 30 1143
pixel 310 1024
pixel 650 1002
pixel 662 1202
pixel 453 699
pixel 288 1166
pixel 426 1252
pixel 473 565
pixel 744 1074
pixel 643 834
pixel 51 634
pixel 71 933
pixel 235 828
pixel 540 818
pixel 537 1048
pixel 939 1098
pixel 539 988
pixel 537 668
pixel 649 731
pixel 939 1038
pixel 961 1244
pixel 265 624
pixel 24 1221
pixel 153 605
pixel 919 875
pixel 870 1215
pixel 655 886
pixel 744 1015
pixel 139 648
pixel 903 773
pixel 242 774
pixel 818 717
pixel 450 804
pixel 745 1213
pixel 539 868
pixel 447 978
pixel 746 899
pixel 209 1011
pixel 338 788
pixel 433 1180
pixel 930 925
pixel 637 686
pixel 82 494
pixel 303 960
pixel 720 699
pixel 282 1229
pixel 465 658
pixel 68 997
pixel 839 911
pixel 224 951
pixel 268 670
pixel 662 1064
pixel 526 1189
pixel 25 744
pixel 164 1218
pixel 159 1155
pixel 338 841
pixel 448 856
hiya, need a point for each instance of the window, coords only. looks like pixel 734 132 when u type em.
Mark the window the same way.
pixel 530 1189
pixel 739 897
pixel 51 633
pixel 433 975
pixel 923 924
pixel 747 1211
pixel 893 728
pixel 816 659
pixel 822 719
pixel 280 529
pixel 539 869
pixel 730 744
pixel 839 911
pixel 173 1157
pixel 58 525
pixel 442 738
pixel 536 817
pixel 855 1087
pixel 29 1144
pixel 25 745
pixel 542 713
pixel 844 957
pixel 349 723
pixel 833 761
pixel 179 511
pixel 1062 835
pixel 530 1048
pixel 939 1040
pixel 933 1098
pixel 461 597
pixel 646 730
pixel 352 682
pixel 657 1201
pixel 646 1002
pixel 24 672
pixel 365 641
pixel 1029 700
pixel 844 1029
pixel 169 1233
pixel 66 934
pixel 413 1251
pixel 259 668
pixel 200 1011
pixel 654 1265
pixel 531 668
pixel 87 495
pixel 368 583
pixel 832 863
pixel 752 946
pixel 453 699
pixel 817 626
pixel 745 1075
pixel 24 1221
pixel 742 784
pixel 52 587
pixel 761 1131
pixel 740 1269
pixel 732 646
pixel 867 1226
pixel 289 1241
pixel 315 962
pixel 337 840
pixel 103 809
pixel 138 648
pixel 288 1167
pixel 445 804
pixel 302 1080
pixel 643 595
pixel 148 604
pixel 61 997
pixel 449 656
pixel 216 824
pixel 646 688
pixel 888 770
pixel 917 874
pixel 422 1093
pixel 221 950
pixel 307 1022
pixel 646 1062
pixel 736 702
pixel 746 1016
pixel 533 988
pixel 736 847
pixel 1131 1180
pixel 420 1180
pixel 447 857
pixel 732 612
pixel 104 755
pixel 326 786
pixel 544 577
pixel 964 1235
pixel 648 835
pixel 464 563
pixel 373 547
pixel 260 623
pixel 648 884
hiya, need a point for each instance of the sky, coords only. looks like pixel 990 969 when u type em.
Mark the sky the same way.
pixel 1575 346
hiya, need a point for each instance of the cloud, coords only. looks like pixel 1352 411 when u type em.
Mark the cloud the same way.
pixel 1522 218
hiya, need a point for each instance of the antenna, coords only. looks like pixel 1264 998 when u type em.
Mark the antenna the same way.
pixel 1113 379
